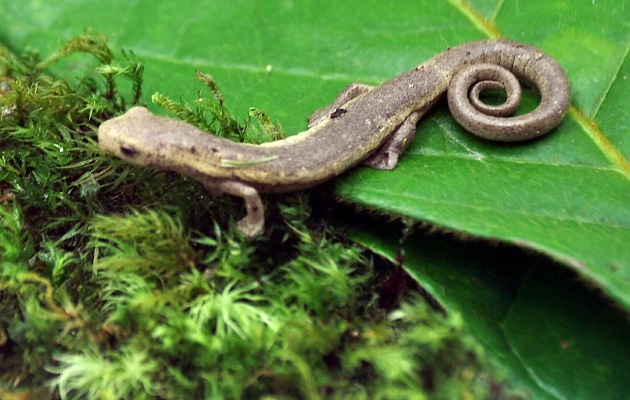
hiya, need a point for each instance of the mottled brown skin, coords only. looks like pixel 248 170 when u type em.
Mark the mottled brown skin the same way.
pixel 364 124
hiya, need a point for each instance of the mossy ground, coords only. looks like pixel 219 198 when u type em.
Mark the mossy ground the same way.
pixel 121 282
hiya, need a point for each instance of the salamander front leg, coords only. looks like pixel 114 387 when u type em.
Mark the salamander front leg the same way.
pixel 254 222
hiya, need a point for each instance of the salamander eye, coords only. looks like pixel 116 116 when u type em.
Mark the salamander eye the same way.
pixel 129 151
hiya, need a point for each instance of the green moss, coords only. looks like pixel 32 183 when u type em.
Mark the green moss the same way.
pixel 118 283
pixel 212 115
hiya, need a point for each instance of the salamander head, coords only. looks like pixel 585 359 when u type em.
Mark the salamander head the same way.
pixel 141 138
pixel 130 137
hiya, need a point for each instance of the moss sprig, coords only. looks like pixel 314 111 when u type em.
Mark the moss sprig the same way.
pixel 212 115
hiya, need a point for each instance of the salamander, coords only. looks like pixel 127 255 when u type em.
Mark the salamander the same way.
pixel 365 124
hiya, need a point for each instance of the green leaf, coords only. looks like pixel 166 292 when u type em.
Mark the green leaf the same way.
pixel 548 332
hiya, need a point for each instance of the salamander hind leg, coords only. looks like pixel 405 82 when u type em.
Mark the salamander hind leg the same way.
pixel 386 156
pixel 350 92
pixel 254 222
